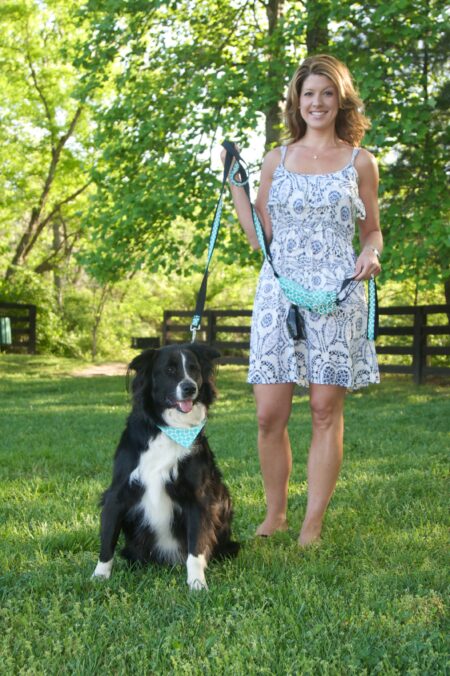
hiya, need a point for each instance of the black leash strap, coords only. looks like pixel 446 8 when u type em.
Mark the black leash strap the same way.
pixel 215 225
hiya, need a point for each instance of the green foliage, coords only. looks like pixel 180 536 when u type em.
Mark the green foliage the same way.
pixel 52 336
pixel 127 191
pixel 132 307
pixel 397 53
pixel 176 85
pixel 44 160
pixel 372 598
pixel 218 70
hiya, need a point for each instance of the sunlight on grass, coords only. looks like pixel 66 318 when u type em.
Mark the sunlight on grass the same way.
pixel 370 599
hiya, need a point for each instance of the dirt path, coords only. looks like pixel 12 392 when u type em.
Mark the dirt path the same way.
pixel 111 369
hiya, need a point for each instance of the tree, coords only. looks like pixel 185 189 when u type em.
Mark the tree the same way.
pixel 44 137
pixel 397 51
pixel 164 82
pixel 185 73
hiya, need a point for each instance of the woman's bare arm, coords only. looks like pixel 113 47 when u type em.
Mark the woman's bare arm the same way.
pixel 242 205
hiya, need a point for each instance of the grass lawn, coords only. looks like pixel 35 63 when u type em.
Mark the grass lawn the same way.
pixel 370 599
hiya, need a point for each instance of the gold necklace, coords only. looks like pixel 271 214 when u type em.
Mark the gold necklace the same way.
pixel 315 156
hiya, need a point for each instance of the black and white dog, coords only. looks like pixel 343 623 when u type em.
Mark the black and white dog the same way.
pixel 167 494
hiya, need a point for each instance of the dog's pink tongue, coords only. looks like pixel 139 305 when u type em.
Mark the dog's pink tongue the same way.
pixel 186 405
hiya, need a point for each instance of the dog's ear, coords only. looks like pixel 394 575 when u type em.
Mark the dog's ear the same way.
pixel 206 356
pixel 204 352
pixel 142 360
pixel 139 364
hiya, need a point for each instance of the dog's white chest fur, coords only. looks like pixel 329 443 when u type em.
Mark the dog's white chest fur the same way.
pixel 156 465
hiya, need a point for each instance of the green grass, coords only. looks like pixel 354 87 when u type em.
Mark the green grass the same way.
pixel 370 599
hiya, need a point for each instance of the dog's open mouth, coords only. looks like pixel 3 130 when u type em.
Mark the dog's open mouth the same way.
pixel 185 405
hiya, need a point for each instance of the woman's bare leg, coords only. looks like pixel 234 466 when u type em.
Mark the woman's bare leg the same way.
pixel 325 455
pixel 273 407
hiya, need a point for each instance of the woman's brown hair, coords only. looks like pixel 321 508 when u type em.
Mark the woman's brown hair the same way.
pixel 351 123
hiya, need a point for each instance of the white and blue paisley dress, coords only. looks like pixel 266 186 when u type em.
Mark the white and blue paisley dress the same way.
pixel 313 222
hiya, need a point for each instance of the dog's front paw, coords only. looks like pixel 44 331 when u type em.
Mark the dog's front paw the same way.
pixel 102 570
pixel 197 585
pixel 196 572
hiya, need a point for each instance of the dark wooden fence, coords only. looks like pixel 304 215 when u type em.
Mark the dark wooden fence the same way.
pixel 406 335
pixel 23 326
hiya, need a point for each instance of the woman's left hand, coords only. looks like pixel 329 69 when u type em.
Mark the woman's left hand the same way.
pixel 367 265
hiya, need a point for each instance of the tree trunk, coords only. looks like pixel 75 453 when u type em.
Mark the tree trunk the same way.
pixel 57 279
pixel 447 296
pixel 272 125
pixel 37 222
pixel 317 36
pixel 98 315
pixel 272 114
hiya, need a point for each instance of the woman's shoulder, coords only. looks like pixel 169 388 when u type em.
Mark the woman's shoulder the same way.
pixel 365 158
pixel 274 155
pixel 366 165
pixel 272 159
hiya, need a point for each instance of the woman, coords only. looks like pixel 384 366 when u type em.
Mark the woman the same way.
pixel 312 190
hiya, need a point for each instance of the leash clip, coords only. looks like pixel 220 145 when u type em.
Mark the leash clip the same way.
pixel 193 329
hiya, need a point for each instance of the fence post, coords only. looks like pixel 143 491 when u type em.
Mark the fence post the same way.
pixel 211 332
pixel 32 320
pixel 419 345
pixel 165 331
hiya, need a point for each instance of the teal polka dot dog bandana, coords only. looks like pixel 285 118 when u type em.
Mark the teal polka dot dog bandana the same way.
pixel 185 436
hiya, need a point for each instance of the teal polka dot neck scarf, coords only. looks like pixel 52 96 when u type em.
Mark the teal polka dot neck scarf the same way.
pixel 185 436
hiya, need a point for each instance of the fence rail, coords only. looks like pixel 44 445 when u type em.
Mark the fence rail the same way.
pixel 407 330
pixel 22 319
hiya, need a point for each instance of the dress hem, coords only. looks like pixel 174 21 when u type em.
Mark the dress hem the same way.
pixel 306 383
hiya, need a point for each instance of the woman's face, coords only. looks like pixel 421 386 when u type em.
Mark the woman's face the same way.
pixel 319 103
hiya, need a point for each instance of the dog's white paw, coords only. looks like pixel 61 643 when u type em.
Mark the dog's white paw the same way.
pixel 197 585
pixel 102 570
pixel 196 572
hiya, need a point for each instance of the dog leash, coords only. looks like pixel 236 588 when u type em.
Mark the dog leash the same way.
pixel 322 302
pixel 215 225
pixel 235 165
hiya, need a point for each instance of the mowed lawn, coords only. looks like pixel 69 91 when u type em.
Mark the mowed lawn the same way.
pixel 370 599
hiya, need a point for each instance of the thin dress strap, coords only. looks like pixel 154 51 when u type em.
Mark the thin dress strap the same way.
pixel 355 155
pixel 283 154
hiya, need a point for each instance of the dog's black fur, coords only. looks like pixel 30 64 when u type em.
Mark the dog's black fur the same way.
pixel 170 502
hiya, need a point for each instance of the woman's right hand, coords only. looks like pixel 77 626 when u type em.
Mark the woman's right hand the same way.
pixel 223 153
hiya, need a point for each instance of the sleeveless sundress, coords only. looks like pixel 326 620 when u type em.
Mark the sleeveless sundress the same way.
pixel 313 222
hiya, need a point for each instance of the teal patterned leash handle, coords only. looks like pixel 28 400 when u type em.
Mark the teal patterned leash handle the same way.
pixel 372 314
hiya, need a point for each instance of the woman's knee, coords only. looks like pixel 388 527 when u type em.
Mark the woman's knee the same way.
pixel 271 419
pixel 326 408
pixel 273 406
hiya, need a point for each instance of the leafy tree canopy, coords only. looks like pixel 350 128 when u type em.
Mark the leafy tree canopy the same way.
pixel 44 136
pixel 126 102
pixel 182 75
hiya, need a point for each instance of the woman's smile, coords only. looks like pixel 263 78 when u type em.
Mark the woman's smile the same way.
pixel 319 100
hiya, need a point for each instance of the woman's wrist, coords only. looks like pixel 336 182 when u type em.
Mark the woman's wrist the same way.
pixel 371 247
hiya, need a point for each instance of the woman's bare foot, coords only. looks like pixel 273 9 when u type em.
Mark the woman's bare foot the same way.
pixel 270 526
pixel 310 533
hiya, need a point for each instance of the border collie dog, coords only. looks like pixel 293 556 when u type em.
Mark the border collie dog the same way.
pixel 167 494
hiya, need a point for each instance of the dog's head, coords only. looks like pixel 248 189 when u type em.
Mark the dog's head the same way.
pixel 174 385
